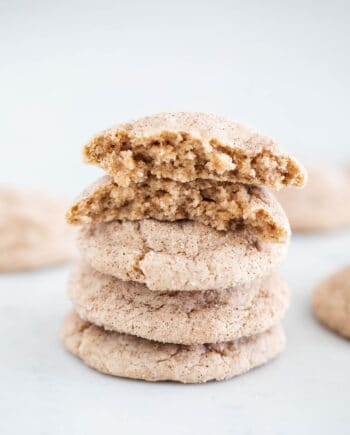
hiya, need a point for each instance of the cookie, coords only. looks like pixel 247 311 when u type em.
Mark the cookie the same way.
pixel 133 357
pixel 222 205
pixel 33 231
pixel 182 255
pixel 322 205
pixel 187 146
pixel 177 317
pixel 331 302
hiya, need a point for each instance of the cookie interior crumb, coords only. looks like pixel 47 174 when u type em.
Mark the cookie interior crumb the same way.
pixel 221 205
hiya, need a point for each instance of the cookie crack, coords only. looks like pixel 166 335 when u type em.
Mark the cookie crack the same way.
pixel 169 357
pixel 81 336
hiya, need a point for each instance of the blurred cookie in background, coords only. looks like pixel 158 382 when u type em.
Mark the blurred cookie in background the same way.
pixel 331 302
pixel 323 205
pixel 33 232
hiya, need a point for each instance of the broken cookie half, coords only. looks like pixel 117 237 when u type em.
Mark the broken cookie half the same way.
pixel 221 205
pixel 189 146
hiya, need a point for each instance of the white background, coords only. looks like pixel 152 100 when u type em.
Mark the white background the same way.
pixel 69 69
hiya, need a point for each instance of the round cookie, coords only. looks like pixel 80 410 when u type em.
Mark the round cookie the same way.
pixel 322 205
pixel 183 255
pixel 33 231
pixel 331 302
pixel 132 357
pixel 185 146
pixel 221 205
pixel 178 317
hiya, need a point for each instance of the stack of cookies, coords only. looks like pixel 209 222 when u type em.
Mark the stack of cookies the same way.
pixel 179 245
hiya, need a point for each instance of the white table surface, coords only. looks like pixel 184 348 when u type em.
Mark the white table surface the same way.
pixel 45 390
pixel 71 68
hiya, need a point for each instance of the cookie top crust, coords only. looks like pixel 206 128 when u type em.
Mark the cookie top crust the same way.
pixel 178 317
pixel 182 255
pixel 128 356
pixel 186 146
pixel 331 302
pixel 221 205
